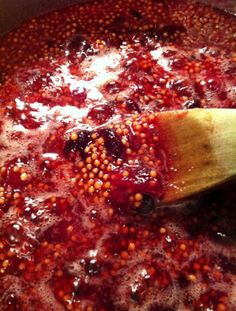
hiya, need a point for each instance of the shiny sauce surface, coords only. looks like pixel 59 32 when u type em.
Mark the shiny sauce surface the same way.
pixel 82 167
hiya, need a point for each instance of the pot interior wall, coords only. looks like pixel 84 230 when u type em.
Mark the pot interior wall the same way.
pixel 13 12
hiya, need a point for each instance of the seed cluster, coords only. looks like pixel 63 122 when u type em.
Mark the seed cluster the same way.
pixel 113 149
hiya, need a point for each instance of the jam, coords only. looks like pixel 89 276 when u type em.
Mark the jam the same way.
pixel 83 167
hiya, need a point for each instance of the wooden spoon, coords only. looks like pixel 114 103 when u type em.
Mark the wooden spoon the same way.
pixel 201 145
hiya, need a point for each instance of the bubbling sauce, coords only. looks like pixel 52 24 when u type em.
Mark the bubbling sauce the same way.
pixel 82 166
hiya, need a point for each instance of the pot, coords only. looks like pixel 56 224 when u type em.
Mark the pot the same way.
pixel 13 12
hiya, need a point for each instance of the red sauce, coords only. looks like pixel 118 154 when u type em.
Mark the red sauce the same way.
pixel 82 166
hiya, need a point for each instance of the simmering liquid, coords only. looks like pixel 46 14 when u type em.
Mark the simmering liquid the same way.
pixel 82 167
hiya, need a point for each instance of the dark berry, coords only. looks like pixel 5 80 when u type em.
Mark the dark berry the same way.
pixel 70 146
pixel 92 267
pixel 182 280
pixel 113 143
pixel 84 138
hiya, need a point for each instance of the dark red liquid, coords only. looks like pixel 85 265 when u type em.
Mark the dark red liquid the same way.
pixel 82 168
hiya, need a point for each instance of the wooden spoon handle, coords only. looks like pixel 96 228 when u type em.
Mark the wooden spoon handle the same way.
pixel 202 148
